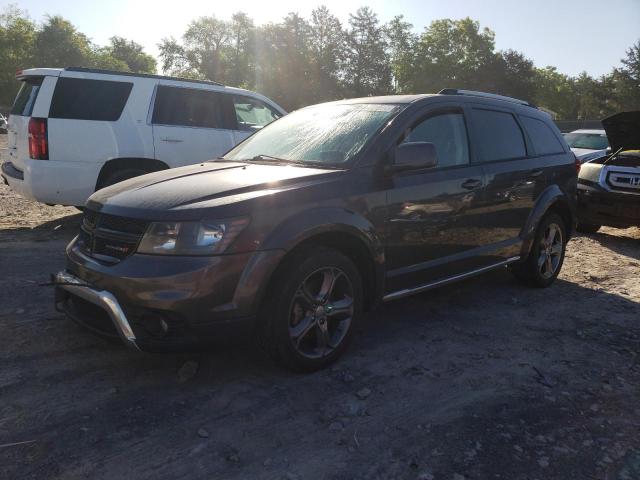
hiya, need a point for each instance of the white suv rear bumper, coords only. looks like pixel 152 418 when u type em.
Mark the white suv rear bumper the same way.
pixel 55 182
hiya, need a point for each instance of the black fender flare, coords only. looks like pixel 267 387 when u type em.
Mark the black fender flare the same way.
pixel 550 197
pixel 304 226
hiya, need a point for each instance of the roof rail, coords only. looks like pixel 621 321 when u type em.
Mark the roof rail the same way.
pixel 145 75
pixel 472 93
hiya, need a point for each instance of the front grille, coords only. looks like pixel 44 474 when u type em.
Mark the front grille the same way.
pixel 109 238
pixel 623 179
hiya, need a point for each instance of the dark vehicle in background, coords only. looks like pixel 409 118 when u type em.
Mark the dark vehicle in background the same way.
pixel 321 215
pixel 609 185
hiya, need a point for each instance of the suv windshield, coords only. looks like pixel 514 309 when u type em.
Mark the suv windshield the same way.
pixel 592 141
pixel 327 134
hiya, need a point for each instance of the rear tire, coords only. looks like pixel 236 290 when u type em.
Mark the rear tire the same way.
pixel 120 176
pixel 587 227
pixel 312 309
pixel 542 266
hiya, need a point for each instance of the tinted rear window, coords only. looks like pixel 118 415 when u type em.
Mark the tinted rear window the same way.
pixel 81 99
pixel 23 104
pixel 498 135
pixel 189 107
pixel 544 140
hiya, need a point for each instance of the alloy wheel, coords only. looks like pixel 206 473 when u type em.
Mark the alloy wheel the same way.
pixel 550 251
pixel 321 312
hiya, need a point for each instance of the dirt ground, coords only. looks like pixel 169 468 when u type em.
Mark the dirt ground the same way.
pixel 485 379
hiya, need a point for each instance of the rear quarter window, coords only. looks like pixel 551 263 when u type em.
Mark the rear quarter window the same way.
pixel 190 107
pixel 498 135
pixel 83 99
pixel 23 104
pixel 544 140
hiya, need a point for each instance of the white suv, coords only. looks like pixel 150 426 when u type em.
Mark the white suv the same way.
pixel 73 131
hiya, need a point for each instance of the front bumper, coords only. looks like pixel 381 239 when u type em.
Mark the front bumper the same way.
pixel 163 303
pixel 599 207
pixel 103 299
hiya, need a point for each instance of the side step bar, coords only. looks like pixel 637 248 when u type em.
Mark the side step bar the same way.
pixel 412 291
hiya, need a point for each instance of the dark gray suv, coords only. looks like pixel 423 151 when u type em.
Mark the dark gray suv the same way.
pixel 318 217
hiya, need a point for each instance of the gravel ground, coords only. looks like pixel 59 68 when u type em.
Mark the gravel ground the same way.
pixel 480 380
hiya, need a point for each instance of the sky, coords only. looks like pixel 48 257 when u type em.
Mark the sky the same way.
pixel 573 35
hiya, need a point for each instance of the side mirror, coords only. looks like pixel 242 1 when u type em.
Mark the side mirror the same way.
pixel 415 156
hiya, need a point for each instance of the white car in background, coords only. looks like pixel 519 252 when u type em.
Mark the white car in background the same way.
pixel 73 131
pixel 587 144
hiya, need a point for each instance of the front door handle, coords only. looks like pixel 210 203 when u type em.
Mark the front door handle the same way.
pixel 472 184
pixel 171 140
pixel 536 173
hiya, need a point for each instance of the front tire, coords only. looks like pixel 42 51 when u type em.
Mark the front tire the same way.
pixel 542 266
pixel 313 307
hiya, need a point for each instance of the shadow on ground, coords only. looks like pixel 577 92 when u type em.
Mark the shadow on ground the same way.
pixel 59 228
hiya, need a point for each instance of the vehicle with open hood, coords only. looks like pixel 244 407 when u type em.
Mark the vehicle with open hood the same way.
pixel 609 186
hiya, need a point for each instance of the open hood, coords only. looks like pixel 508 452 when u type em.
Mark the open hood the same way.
pixel 623 130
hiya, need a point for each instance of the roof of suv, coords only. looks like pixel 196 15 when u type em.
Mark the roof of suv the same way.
pixel 57 71
pixel 467 94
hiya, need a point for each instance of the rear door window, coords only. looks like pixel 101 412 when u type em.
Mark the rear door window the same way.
pixel 190 107
pixel 23 104
pixel 83 99
pixel 252 114
pixel 544 140
pixel 498 135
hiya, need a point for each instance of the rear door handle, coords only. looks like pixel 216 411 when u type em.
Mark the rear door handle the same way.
pixel 536 173
pixel 171 140
pixel 471 184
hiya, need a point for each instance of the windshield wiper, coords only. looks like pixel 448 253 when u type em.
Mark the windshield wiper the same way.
pixel 268 158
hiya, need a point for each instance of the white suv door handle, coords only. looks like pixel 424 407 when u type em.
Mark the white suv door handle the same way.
pixel 171 140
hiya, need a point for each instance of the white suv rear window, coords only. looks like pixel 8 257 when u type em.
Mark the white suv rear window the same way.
pixel 23 104
pixel 81 99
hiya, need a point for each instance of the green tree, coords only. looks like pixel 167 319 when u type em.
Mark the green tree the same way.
pixel 201 53
pixel 515 75
pixel 401 43
pixel 455 54
pixel 131 54
pixel 367 70
pixel 326 47
pixel 17 38
pixel 240 54
pixel 626 81
pixel 59 44
pixel 555 91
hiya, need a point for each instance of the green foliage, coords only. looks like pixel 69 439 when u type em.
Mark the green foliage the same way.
pixel 57 43
pixel 367 66
pixel 131 55
pixel 300 61
pixel 17 40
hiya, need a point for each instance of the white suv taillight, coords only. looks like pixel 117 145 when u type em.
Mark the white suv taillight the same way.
pixel 38 142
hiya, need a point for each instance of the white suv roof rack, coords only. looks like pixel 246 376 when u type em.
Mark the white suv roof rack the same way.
pixel 457 91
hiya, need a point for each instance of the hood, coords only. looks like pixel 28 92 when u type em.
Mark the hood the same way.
pixel 165 194
pixel 582 152
pixel 623 130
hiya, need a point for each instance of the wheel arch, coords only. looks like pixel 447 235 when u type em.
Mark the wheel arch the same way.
pixel 115 164
pixel 552 199
pixel 338 229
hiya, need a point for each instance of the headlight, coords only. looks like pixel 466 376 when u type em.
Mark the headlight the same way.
pixel 190 238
